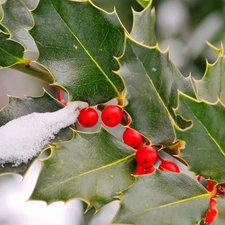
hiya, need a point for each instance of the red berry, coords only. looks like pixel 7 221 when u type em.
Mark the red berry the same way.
pixel 210 215
pixel 111 115
pixel 198 178
pixel 212 203
pixel 169 165
pixel 132 138
pixel 210 185
pixel 144 170
pixel 146 156
pixel 88 117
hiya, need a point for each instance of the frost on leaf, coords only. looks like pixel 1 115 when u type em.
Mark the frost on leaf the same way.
pixel 23 138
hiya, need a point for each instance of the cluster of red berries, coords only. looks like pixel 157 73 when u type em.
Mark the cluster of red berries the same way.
pixel 212 212
pixel 146 155
pixel 111 116
pixel 216 190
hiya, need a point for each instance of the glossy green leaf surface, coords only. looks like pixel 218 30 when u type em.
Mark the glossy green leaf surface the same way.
pixel 143 3
pixel 24 106
pixel 17 18
pixel 160 198
pixel 11 52
pixel 93 167
pixel 77 42
pixel 212 85
pixel 151 82
pixel 205 144
pixel 143 29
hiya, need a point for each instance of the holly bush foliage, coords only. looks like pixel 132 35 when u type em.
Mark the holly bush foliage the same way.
pixel 88 53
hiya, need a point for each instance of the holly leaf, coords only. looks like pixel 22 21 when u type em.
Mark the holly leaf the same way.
pixel 143 29
pixel 159 198
pixel 151 82
pixel 143 3
pixel 80 54
pixel 92 167
pixel 11 52
pixel 211 86
pixel 24 106
pixel 205 146
pixel 17 18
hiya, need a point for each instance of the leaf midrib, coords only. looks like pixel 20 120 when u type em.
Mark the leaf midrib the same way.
pixel 87 52
pixel 205 128
pixel 171 203
pixel 152 83
pixel 11 55
pixel 90 171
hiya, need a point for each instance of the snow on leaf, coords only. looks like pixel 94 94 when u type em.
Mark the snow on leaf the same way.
pixel 93 167
pixel 205 144
pixel 159 198
pixel 23 138
pixel 77 42
pixel 18 107
pixel 152 82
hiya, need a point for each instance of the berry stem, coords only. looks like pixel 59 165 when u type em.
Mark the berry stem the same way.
pixel 160 158
pixel 59 94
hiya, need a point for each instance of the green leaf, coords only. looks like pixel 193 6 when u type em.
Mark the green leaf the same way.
pixel 11 52
pixel 212 85
pixel 143 29
pixel 151 82
pixel 1 13
pixel 144 3
pixel 77 45
pixel 205 144
pixel 220 219
pixel 31 4
pixel 18 107
pixel 163 198
pixel 17 18
pixel 92 167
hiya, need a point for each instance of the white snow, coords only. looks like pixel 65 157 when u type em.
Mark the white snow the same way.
pixel 23 138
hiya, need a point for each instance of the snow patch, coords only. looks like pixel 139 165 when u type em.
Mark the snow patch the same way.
pixel 23 138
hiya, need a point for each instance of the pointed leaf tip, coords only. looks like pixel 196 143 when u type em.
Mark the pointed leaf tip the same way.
pixel 148 200
pixel 81 53
pixel 203 141
pixel 97 162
